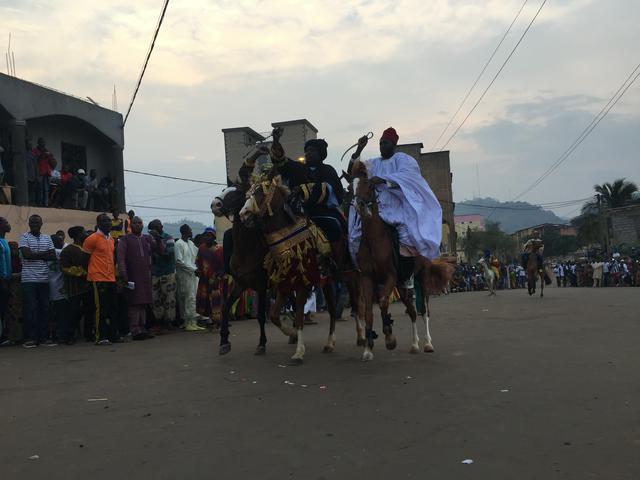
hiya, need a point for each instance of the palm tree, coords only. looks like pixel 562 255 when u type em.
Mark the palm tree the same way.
pixel 613 195
pixel 616 194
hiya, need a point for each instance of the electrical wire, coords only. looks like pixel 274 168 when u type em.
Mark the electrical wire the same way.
pixel 146 62
pixel 186 210
pixel 495 76
pixel 588 129
pixel 137 172
pixel 479 75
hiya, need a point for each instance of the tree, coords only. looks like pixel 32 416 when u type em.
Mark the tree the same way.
pixel 493 239
pixel 612 195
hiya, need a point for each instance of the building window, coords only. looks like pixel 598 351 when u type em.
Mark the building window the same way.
pixel 74 157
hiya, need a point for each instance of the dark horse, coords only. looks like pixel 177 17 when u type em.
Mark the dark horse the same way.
pixel 533 272
pixel 249 250
pixel 293 247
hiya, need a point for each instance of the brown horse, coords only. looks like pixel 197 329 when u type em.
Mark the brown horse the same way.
pixel 293 255
pixel 249 250
pixel 533 272
pixel 375 259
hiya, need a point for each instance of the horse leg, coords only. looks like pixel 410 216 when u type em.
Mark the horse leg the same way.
pixel 387 322
pixel 225 344
pixel 355 299
pixel 424 312
pixel 285 328
pixel 261 349
pixel 366 286
pixel 301 299
pixel 408 298
pixel 329 295
pixel 541 285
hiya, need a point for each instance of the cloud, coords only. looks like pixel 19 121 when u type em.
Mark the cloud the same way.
pixel 349 67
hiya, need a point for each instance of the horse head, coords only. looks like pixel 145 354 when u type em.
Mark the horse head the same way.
pixel 364 192
pixel 265 200
pixel 230 201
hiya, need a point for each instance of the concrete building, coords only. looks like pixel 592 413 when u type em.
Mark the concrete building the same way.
pixel 464 224
pixel 79 134
pixel 624 227
pixel 239 142
pixel 521 236
pixel 436 169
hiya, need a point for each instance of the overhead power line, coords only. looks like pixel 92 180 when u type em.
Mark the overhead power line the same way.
pixel 504 64
pixel 146 61
pixel 435 144
pixel 587 130
pixel 185 210
pixel 137 172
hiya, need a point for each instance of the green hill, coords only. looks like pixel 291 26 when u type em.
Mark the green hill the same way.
pixel 512 216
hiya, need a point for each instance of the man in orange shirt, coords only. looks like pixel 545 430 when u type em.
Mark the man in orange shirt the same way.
pixel 102 276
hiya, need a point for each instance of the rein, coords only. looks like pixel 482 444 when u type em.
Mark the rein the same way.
pixel 269 192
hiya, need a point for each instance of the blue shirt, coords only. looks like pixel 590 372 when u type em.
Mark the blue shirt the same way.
pixel 5 260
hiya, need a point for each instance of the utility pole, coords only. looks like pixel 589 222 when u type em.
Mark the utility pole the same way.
pixel 603 224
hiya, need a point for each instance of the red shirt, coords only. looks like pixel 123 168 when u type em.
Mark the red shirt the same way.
pixel 44 162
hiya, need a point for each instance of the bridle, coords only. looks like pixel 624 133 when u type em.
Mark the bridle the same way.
pixel 367 202
pixel 268 189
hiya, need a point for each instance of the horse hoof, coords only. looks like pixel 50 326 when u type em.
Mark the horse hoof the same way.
pixel 295 362
pixel 293 340
pixel 224 349
pixel 260 350
pixel 328 349
pixel 367 356
pixel 361 342
pixel 414 349
pixel 428 348
pixel 391 344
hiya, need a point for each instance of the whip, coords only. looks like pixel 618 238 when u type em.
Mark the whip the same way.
pixel 369 136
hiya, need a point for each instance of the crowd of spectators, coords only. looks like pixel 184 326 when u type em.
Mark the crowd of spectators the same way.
pixel 51 184
pixel 617 271
pixel 108 284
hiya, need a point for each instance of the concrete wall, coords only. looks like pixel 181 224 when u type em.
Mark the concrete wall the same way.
pixel 625 225
pixel 296 133
pixel 237 143
pixel 54 219
pixel 24 100
pixel 436 169
pixel 27 109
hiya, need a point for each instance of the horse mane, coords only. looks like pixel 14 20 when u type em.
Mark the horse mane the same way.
pixel 359 170
pixel 284 190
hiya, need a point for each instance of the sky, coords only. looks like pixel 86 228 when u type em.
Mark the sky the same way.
pixel 349 67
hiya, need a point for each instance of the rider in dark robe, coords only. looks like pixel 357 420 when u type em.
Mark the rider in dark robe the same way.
pixel 323 192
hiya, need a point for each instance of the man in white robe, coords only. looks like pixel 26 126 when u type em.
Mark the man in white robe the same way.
pixel 186 279
pixel 405 200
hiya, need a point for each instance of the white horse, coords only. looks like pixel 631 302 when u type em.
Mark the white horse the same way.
pixel 489 276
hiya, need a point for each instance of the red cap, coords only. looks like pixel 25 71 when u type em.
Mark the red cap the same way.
pixel 390 134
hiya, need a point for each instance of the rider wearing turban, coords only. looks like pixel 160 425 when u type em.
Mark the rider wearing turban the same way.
pixel 405 201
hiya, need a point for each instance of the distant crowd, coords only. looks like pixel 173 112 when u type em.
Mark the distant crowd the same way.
pixel 614 272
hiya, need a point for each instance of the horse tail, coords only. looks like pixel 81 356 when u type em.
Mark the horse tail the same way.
pixel 436 274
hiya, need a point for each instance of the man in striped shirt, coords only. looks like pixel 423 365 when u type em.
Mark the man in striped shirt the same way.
pixel 37 250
